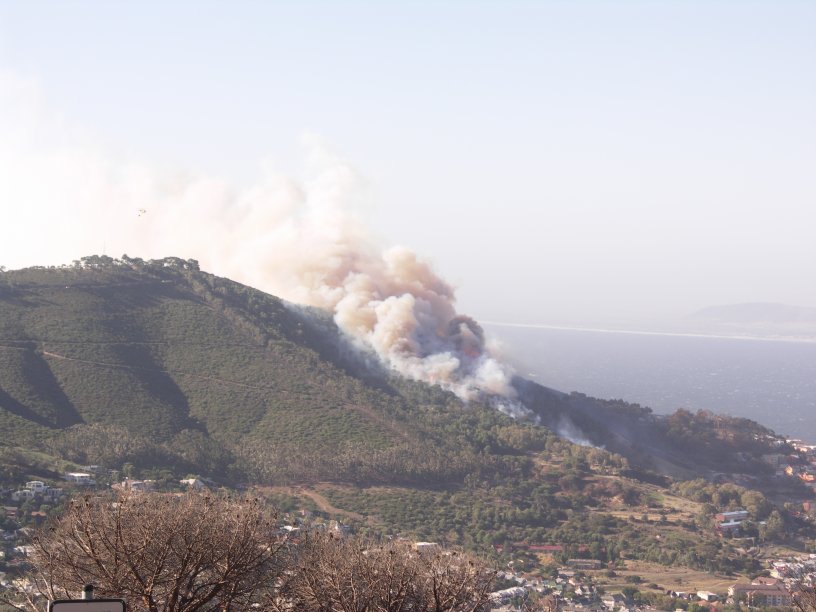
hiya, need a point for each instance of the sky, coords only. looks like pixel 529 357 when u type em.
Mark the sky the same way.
pixel 554 161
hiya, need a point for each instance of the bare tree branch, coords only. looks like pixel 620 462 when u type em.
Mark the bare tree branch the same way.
pixel 162 553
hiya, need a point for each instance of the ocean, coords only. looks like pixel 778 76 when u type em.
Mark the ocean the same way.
pixel 770 381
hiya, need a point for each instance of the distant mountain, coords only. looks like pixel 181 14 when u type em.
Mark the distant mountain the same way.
pixel 757 313
pixel 157 363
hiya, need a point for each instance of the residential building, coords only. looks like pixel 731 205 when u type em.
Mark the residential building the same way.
pixel 80 478
pixel 760 594
pixel 734 516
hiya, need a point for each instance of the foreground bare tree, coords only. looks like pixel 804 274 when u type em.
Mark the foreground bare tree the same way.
pixel 167 553
pixel 355 575
pixel 162 553
pixel 803 596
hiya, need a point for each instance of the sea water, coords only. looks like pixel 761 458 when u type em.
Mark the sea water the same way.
pixel 770 381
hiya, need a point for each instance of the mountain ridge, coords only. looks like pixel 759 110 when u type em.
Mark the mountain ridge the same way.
pixel 168 349
pixel 158 370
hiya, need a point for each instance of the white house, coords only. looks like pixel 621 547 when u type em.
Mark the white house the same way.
pixel 136 485
pixel 196 484
pixel 80 478
pixel 505 595
pixel 22 495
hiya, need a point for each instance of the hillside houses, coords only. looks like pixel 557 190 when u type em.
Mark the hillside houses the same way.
pixel 194 484
pixel 505 595
pixel 735 516
pixel 760 595
pixel 801 464
pixel 137 486
pixel 36 489
pixel 84 479
pixel 730 522
pixel 786 577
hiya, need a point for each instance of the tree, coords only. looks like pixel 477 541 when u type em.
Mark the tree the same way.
pixel 756 503
pixel 803 597
pixel 355 574
pixel 630 593
pixel 548 603
pixel 774 527
pixel 162 553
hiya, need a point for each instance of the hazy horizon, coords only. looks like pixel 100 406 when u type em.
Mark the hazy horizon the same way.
pixel 553 162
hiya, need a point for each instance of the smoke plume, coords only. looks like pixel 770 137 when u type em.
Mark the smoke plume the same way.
pixel 390 300
pixel 301 239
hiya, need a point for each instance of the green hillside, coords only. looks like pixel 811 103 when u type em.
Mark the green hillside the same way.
pixel 175 361
pixel 174 357
pixel 164 370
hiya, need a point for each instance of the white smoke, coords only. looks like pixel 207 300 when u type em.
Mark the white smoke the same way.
pixel 300 239
pixel 568 430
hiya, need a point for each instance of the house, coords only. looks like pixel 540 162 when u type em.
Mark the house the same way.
pixel 612 601
pixel 80 478
pixel 584 564
pixel 505 595
pixel 52 494
pixel 22 495
pixel 770 595
pixel 729 527
pixel 734 516
pixel 142 485
pixel 423 547
pixel 708 596
pixel 196 484
pixel 38 486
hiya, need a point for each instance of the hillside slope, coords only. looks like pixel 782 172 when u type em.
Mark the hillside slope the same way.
pixel 158 370
pixel 162 364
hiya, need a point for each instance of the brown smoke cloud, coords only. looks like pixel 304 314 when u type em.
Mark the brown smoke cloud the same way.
pixel 389 301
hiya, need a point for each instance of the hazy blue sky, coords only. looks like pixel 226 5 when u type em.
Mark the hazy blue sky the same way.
pixel 551 159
